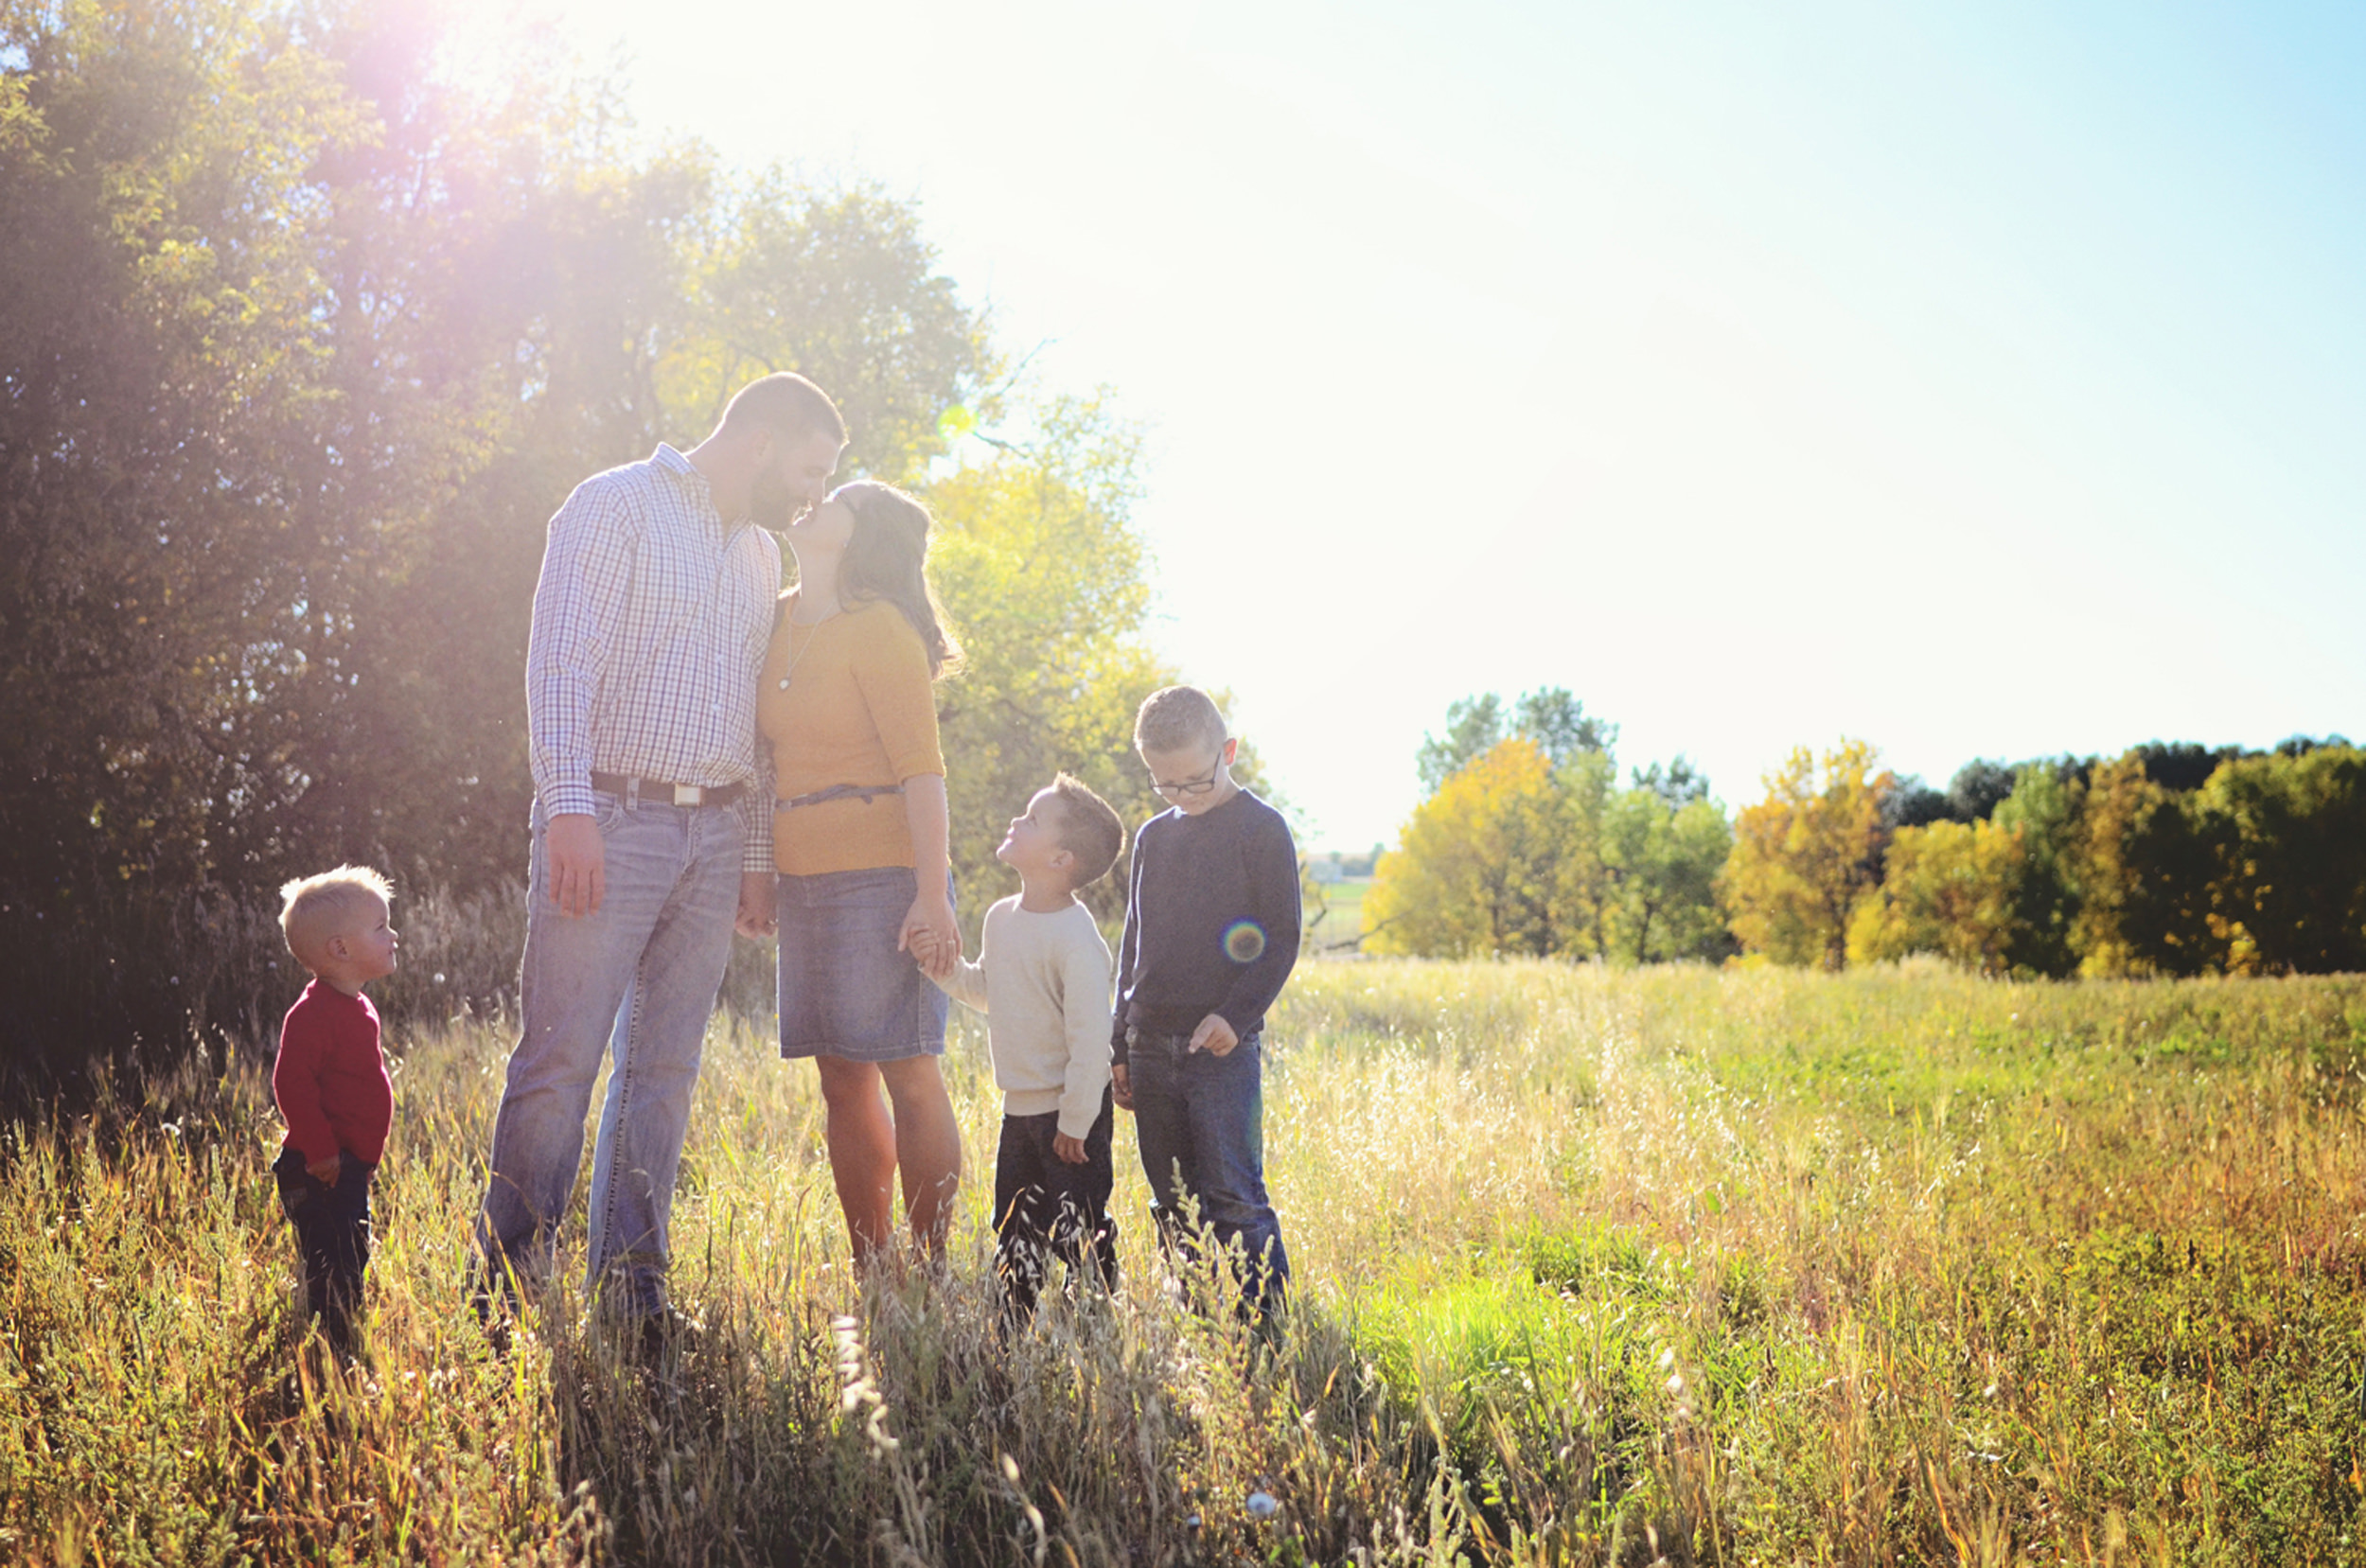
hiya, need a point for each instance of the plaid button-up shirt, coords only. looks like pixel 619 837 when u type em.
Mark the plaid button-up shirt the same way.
pixel 650 623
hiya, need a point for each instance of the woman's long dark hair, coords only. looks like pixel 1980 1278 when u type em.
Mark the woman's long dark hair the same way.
pixel 887 558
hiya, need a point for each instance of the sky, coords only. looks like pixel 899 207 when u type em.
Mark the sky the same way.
pixel 1976 380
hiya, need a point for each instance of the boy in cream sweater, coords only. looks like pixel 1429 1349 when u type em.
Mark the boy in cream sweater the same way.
pixel 1042 979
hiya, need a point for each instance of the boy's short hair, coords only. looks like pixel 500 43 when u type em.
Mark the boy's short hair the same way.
pixel 1175 717
pixel 314 908
pixel 786 404
pixel 1087 828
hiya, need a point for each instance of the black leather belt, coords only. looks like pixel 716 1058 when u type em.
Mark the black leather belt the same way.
pixel 657 792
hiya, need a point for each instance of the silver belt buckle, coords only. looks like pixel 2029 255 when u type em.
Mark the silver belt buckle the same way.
pixel 688 795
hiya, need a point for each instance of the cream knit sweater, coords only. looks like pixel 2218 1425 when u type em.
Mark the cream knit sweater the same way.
pixel 1043 982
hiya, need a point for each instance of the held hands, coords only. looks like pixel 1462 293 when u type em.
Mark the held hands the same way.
pixel 325 1172
pixel 1071 1150
pixel 930 936
pixel 1215 1036
pixel 579 864
pixel 758 917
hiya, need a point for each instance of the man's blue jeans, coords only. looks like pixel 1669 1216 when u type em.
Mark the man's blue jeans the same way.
pixel 1203 1116
pixel 638 979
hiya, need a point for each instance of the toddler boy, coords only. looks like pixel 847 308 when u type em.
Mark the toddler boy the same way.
pixel 1211 932
pixel 332 1087
pixel 1042 979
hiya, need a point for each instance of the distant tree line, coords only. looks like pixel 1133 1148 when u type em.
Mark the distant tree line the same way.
pixel 303 339
pixel 2168 860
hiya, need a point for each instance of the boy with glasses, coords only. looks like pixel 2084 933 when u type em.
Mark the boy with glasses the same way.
pixel 1211 933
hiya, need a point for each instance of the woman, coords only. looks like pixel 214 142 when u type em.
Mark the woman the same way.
pixel 859 833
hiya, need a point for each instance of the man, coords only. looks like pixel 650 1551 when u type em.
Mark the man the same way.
pixel 652 824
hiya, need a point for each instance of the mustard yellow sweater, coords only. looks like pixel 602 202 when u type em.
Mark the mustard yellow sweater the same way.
pixel 845 702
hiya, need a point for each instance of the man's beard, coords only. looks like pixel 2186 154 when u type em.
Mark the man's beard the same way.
pixel 772 503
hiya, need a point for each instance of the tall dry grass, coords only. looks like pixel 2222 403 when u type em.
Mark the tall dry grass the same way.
pixel 1594 1267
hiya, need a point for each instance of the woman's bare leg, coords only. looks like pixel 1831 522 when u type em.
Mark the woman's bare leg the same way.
pixel 927 1146
pixel 862 1143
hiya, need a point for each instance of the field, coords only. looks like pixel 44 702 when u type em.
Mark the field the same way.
pixel 1594 1267
pixel 1334 921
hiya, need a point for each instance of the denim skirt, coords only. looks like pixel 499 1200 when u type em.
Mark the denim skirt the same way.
pixel 846 990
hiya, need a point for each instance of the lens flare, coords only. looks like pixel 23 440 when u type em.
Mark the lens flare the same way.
pixel 1244 941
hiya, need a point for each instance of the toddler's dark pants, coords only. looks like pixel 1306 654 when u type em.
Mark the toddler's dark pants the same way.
pixel 333 1226
pixel 1044 1208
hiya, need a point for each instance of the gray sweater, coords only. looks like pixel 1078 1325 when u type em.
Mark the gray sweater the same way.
pixel 1043 982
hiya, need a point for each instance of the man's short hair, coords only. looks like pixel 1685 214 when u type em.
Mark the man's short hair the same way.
pixel 786 404
pixel 312 910
pixel 1174 718
pixel 1087 827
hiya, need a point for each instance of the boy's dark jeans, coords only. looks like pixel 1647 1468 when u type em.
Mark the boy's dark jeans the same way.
pixel 333 1226
pixel 1204 1115
pixel 1044 1208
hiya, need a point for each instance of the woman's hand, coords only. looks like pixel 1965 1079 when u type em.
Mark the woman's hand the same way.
pixel 930 935
pixel 931 914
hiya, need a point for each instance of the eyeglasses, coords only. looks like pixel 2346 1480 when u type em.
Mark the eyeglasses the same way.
pixel 1192 787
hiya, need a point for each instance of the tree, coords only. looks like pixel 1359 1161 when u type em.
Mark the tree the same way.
pixel 165 333
pixel 2182 766
pixel 2167 913
pixel 664 288
pixel 1042 573
pixel 1486 865
pixel 2120 801
pixel 1913 803
pixel 1551 718
pixel 1560 726
pixel 2046 804
pixel 301 345
pixel 1587 778
pixel 1949 888
pixel 841 286
pixel 1978 788
pixel 1474 726
pixel 2287 836
pixel 1805 854
pixel 212 432
pixel 1664 844
pixel 1677 784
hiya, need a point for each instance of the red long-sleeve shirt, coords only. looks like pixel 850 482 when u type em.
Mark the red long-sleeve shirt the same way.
pixel 330 1077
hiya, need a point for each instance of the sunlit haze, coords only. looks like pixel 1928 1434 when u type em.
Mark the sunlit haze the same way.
pixel 1981 382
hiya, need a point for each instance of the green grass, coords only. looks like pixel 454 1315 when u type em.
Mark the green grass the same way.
pixel 1594 1267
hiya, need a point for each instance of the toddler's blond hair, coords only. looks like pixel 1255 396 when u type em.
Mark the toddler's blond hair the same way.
pixel 314 908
